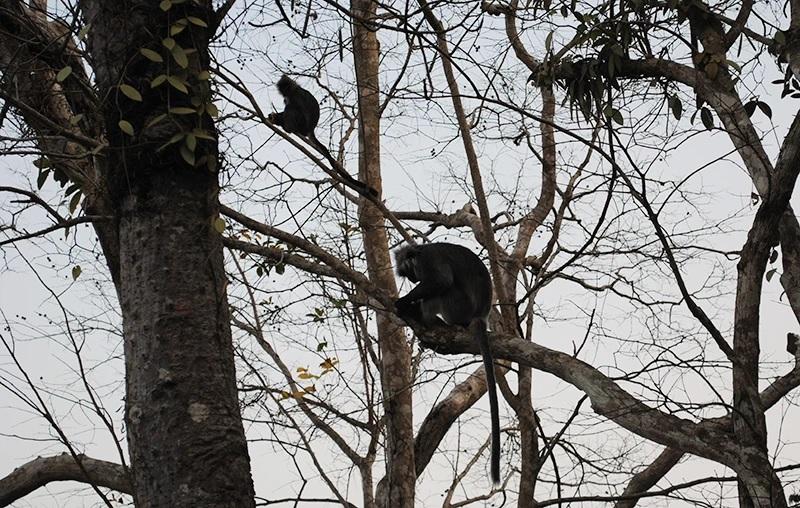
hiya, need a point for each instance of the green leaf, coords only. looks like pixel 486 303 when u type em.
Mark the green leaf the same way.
pixel 548 42
pixel 779 37
pixel 158 80
pixel 197 21
pixel 165 5
pixel 321 346
pixel 202 134
pixel 178 84
pixel 131 93
pixel 617 117
pixel 83 31
pixel 771 273
pixel 219 225
pixel 155 120
pixel 191 142
pixel 174 139
pixel 203 76
pixel 74 119
pixel 126 127
pixel 168 43
pixel 180 56
pixel 188 155
pixel 64 73
pixel 773 257
pixel 151 55
pixel 212 110
pixel 177 28
pixel 76 272
pixel 183 111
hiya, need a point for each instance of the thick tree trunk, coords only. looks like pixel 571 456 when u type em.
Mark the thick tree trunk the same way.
pixel 185 433
pixel 396 490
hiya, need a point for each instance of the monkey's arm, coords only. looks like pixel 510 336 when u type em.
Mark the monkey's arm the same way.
pixel 276 118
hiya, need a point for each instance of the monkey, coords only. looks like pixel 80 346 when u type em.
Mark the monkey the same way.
pixel 453 287
pixel 300 116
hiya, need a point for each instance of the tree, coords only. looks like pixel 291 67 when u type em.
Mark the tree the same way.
pixel 598 220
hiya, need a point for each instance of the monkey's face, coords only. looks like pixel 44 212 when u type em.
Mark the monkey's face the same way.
pixel 407 268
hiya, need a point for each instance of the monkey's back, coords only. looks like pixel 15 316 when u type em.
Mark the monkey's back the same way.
pixel 470 276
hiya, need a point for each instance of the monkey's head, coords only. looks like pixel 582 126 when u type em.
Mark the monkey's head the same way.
pixel 286 85
pixel 406 260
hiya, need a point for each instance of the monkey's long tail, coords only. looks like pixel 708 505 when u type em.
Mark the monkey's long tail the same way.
pixel 351 182
pixel 478 326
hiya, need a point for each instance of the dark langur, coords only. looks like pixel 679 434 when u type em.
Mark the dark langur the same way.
pixel 300 116
pixel 453 288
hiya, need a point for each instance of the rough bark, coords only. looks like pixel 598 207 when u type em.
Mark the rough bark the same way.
pixel 185 433
pixel 749 424
pixel 645 479
pixel 44 470
pixel 397 489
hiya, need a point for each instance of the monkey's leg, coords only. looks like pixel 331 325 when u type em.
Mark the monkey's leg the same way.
pixel 408 310
pixel 431 309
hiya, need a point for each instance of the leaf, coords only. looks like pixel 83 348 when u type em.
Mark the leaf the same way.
pixel 212 110
pixel 773 257
pixel 165 5
pixel 706 118
pixel 177 28
pixel 155 120
pixel 191 142
pixel 197 21
pixel 321 346
pixel 42 178
pixel 83 31
pixel 548 42
pixel 617 117
pixel 158 80
pixel 73 203
pixel 168 43
pixel 202 134
pixel 187 155
pixel 779 37
pixel 74 119
pixel 750 107
pixel 219 225
pixel 764 107
pixel 771 273
pixel 131 93
pixel 64 73
pixel 180 56
pixel 182 111
pixel 174 139
pixel 76 272
pixel 151 55
pixel 733 64
pixel 307 375
pixel 178 84
pixel 126 127
pixel 676 106
pixel 203 76
pixel 42 162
